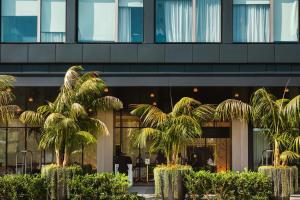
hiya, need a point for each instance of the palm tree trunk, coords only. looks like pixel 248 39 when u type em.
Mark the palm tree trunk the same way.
pixel 276 154
pixel 58 157
pixel 66 157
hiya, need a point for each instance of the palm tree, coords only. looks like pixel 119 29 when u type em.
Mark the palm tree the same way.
pixel 7 109
pixel 65 123
pixel 278 119
pixel 168 132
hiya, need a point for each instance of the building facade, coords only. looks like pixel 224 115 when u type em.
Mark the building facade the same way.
pixel 147 51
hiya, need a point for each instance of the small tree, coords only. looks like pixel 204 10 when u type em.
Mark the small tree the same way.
pixel 65 123
pixel 168 132
pixel 7 109
pixel 278 119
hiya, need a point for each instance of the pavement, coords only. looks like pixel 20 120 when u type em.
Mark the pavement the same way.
pixel 144 191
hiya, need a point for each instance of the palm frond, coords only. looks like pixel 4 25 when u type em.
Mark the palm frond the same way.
pixel 204 112
pixel 92 86
pixel 77 111
pixel 297 144
pixel 149 114
pixel 139 137
pixel 8 112
pixel 265 111
pixel 289 156
pixel 185 106
pixel 53 119
pixel 88 137
pixel 100 127
pixel 292 111
pixel 71 76
pixel 32 118
pixel 6 81
pixel 6 97
pixel 108 103
pixel 232 109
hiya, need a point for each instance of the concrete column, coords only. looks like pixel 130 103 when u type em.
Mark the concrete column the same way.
pixel 105 144
pixel 239 145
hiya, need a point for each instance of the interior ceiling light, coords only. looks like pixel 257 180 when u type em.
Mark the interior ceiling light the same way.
pixel 195 90
pixel 152 95
pixel 30 99
pixel 106 90
pixel 154 103
pixel 286 90
pixel 236 95
pixel 90 110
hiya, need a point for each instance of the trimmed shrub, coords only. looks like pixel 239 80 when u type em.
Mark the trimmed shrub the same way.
pixel 57 180
pixel 228 185
pixel 169 180
pixel 100 186
pixel 22 187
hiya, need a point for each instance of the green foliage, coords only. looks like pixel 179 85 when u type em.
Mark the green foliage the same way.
pixel 278 118
pixel 166 174
pixel 168 132
pixel 284 179
pixel 104 186
pixel 65 123
pixel 228 185
pixel 22 187
pixel 57 180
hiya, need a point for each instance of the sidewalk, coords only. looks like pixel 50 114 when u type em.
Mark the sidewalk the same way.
pixel 144 191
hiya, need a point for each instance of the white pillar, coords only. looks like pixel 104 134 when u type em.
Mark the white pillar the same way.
pixel 105 144
pixel 239 145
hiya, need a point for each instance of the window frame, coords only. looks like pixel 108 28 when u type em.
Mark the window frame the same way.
pixel 271 27
pixel 116 28
pixel 193 28
pixel 39 28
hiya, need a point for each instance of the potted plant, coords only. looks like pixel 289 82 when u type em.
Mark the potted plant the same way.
pixel 65 123
pixel 168 133
pixel 278 118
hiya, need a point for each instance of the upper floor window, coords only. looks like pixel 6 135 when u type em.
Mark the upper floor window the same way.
pixel 265 21
pixel 188 20
pixel 110 21
pixel 33 20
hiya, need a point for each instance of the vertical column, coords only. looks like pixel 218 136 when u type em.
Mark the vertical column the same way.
pixel 71 21
pixel 227 21
pixel 149 21
pixel 105 144
pixel 239 145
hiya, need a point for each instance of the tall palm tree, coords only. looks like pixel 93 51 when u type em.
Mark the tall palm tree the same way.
pixel 7 109
pixel 277 118
pixel 168 132
pixel 65 123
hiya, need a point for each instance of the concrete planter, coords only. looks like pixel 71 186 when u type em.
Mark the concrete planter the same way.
pixel 284 179
pixel 169 181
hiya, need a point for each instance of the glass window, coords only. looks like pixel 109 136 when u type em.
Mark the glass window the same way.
pixel 286 20
pixel 20 20
pixel 105 26
pixel 265 20
pixel 188 21
pixel 251 21
pixel 53 21
pixel 208 21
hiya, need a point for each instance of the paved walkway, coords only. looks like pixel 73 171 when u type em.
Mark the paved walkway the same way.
pixel 144 191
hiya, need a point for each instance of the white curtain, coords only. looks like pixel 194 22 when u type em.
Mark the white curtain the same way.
pixel 178 20
pixel 251 23
pixel 208 21
pixel 286 20
pixel 53 37
pixel 124 24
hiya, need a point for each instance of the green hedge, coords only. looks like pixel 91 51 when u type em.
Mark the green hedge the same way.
pixel 100 186
pixel 22 187
pixel 228 185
